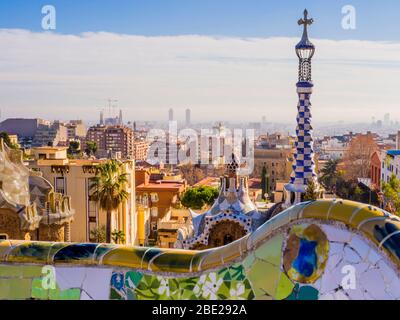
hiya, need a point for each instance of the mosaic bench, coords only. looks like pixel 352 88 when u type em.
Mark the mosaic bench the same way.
pixel 327 249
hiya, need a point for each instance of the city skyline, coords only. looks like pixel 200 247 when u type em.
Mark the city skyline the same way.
pixel 229 76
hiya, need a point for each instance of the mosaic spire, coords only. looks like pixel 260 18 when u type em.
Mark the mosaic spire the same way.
pixel 303 164
pixel 232 167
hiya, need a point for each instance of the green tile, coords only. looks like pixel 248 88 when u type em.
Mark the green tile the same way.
pixel 271 251
pixel 285 287
pixel 248 261
pixel 4 288
pixel 20 289
pixel 15 289
pixel 31 271
pixel 264 278
pixel 68 294
pixel 8 271
pixel 38 292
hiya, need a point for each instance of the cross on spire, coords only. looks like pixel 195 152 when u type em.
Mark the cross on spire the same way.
pixel 306 22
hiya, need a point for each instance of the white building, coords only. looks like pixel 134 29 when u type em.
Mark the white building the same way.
pixel 390 164
pixel 333 149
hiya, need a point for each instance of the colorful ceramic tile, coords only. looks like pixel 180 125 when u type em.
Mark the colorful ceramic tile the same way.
pixel 306 253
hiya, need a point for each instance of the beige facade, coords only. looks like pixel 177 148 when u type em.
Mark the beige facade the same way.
pixel 76 129
pixel 112 140
pixel 140 150
pixel 54 135
pixel 74 178
pixel 278 164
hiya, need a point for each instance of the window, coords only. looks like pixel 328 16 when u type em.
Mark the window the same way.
pixel 92 210
pixel 3 236
pixel 60 185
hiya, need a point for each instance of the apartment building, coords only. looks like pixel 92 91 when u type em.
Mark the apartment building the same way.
pixel 115 140
pixel 74 177
pixel 140 150
pixel 76 129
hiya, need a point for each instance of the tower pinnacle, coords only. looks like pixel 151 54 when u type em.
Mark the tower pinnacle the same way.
pixel 303 163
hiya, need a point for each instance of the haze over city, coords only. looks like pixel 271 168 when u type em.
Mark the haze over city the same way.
pixel 238 74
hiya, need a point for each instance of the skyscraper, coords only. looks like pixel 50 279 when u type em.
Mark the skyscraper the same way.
pixel 171 114
pixel 303 163
pixel 386 119
pixel 120 118
pixel 188 117
pixel 101 118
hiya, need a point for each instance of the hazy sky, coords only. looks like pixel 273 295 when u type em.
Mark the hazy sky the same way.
pixel 230 60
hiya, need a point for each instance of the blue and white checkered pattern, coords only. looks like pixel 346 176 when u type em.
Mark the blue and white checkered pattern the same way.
pixel 303 166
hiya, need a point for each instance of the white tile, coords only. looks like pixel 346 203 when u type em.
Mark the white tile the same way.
pixel 333 261
pixel 84 296
pixel 70 277
pixel 394 288
pixel 351 256
pixel 387 272
pixel 336 248
pixel 373 283
pixel 373 256
pixel 97 283
pixel 358 244
pixel 327 296
pixel 339 295
pixel 335 234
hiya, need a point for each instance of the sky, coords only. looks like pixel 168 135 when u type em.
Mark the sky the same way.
pixel 225 60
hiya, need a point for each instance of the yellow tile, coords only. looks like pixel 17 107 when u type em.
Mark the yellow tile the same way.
pixel 126 257
pixel 318 209
pixel 178 261
pixel 342 210
pixel 212 260
pixel 231 251
pixel 363 215
pixel 4 248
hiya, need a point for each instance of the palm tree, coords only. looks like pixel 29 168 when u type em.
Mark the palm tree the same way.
pixel 329 174
pixel 109 189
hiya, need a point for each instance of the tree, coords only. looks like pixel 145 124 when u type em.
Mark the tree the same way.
pixel 197 198
pixel 264 182
pixel 311 191
pixel 74 147
pixel 391 196
pixel 91 148
pixel 98 235
pixel 118 236
pixel 109 189
pixel 6 138
pixel 191 173
pixel 330 175
pixel 357 159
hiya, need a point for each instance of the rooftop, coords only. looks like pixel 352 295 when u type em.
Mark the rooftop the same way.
pixel 160 186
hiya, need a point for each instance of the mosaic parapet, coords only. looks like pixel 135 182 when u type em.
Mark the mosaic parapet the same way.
pixel 377 225
pixel 303 253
